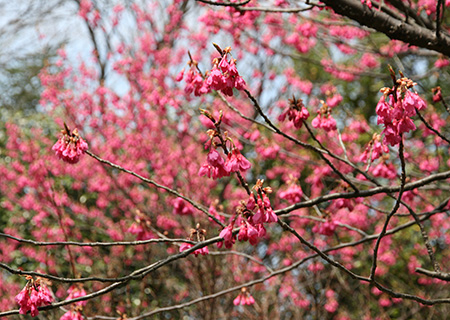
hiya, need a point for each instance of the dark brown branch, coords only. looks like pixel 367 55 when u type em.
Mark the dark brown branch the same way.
pixel 95 244
pixel 365 193
pixel 434 274
pixel 225 3
pixel 150 181
pixel 393 28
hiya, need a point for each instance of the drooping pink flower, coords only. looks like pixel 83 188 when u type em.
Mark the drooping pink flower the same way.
pixel 141 227
pixel 228 237
pixel 413 100
pixel 437 94
pixel 236 162
pixel 32 296
pixel 214 166
pixel 296 112
pixel 197 234
pixel 141 231
pixel 70 146
pixel 264 212
pixel 395 114
pixel 244 298
pixel 248 232
pixel 441 62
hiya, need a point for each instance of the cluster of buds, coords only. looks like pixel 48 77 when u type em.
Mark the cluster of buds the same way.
pixel 396 107
pixel 70 146
pixel 197 235
pixel 324 120
pixel 33 295
pixel 296 112
pixel 244 298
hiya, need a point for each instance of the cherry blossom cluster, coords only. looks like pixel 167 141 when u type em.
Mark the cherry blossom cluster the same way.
pixel 324 120
pixel 296 112
pixel 396 107
pixel 223 77
pixel 252 216
pixel 197 235
pixel 194 80
pixel 374 149
pixel 70 146
pixel 215 166
pixel 244 298
pixel 33 295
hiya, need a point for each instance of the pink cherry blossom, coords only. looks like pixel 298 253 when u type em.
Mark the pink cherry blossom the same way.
pixel 228 237
pixel 236 162
pixel 214 166
pixel 244 298
pixel 70 146
pixel 32 296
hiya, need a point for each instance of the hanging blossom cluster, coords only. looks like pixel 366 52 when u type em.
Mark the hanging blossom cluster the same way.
pixel 244 298
pixel 296 112
pixel 215 166
pixel 223 77
pixel 33 295
pixel 395 109
pixel 70 146
pixel 324 120
pixel 252 216
pixel 197 235
pixel 374 149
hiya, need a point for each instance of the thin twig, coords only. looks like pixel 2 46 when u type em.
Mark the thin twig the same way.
pixel 95 244
pixel 150 181
pixel 393 211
